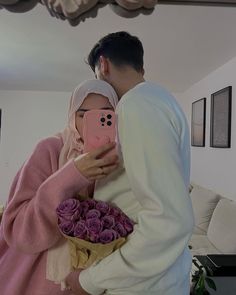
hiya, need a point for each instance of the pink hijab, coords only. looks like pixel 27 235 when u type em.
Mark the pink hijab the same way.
pixel 72 143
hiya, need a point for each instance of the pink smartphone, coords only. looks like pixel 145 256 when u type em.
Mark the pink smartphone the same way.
pixel 99 128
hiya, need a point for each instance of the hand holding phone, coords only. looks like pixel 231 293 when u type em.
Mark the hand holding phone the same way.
pixel 99 128
pixel 93 167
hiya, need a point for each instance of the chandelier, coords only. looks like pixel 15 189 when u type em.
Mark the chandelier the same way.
pixel 76 11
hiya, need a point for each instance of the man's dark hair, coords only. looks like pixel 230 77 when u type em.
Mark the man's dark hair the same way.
pixel 121 48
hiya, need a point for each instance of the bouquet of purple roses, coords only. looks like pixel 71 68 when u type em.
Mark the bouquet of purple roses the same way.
pixel 94 229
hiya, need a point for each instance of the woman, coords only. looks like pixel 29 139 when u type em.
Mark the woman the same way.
pixel 54 172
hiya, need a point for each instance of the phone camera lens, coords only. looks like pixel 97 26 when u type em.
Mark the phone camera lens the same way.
pixel 102 120
pixel 109 123
pixel 109 116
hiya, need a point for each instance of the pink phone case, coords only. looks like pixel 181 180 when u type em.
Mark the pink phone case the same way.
pixel 99 128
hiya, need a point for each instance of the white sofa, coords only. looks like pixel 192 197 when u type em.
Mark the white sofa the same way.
pixel 215 223
pixel 214 232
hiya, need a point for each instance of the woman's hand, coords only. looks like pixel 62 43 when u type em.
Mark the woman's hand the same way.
pixel 93 167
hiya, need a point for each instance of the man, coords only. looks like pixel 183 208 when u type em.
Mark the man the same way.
pixel 154 140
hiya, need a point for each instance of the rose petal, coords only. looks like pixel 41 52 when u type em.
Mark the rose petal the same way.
pixel 128 225
pixel 103 207
pixel 94 238
pixel 108 221
pixel 93 213
pixel 94 225
pixel 119 228
pixel 91 203
pixel 107 236
pixel 116 212
pixel 67 228
pixel 80 230
pixel 67 208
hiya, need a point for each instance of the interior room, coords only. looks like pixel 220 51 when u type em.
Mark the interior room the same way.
pixel 188 49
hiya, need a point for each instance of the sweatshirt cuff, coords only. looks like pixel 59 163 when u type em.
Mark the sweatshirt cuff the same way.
pixel 67 181
pixel 83 180
pixel 72 177
pixel 86 283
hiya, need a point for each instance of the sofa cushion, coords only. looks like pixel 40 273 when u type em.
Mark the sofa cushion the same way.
pixel 200 245
pixel 204 202
pixel 221 231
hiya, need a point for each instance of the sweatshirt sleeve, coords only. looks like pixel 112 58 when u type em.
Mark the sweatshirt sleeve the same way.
pixel 30 221
pixel 150 146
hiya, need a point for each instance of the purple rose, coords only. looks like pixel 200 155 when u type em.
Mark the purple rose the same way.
pixel 128 224
pixel 91 203
pixel 77 215
pixel 103 207
pixel 94 225
pixel 93 237
pixel 119 228
pixel 116 212
pixel 80 230
pixel 108 221
pixel 67 208
pixel 122 217
pixel 93 213
pixel 67 228
pixel 107 236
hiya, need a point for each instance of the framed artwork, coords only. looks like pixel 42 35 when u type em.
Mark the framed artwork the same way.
pixel 220 132
pixel 198 122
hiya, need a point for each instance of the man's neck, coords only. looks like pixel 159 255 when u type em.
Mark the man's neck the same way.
pixel 126 81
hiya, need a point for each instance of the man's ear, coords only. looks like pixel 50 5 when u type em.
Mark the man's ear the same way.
pixel 104 65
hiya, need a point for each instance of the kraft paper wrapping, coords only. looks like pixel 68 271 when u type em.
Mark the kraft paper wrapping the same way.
pixel 84 253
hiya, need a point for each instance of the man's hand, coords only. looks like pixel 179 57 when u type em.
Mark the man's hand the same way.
pixel 72 280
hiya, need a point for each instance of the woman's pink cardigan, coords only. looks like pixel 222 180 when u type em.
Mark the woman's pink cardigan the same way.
pixel 29 224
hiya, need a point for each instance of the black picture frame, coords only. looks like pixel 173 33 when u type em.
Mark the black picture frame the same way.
pixel 220 121
pixel 198 122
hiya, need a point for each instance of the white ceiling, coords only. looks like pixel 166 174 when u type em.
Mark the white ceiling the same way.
pixel 182 45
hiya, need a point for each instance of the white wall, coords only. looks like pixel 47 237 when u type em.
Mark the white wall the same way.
pixel 26 118
pixel 214 168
